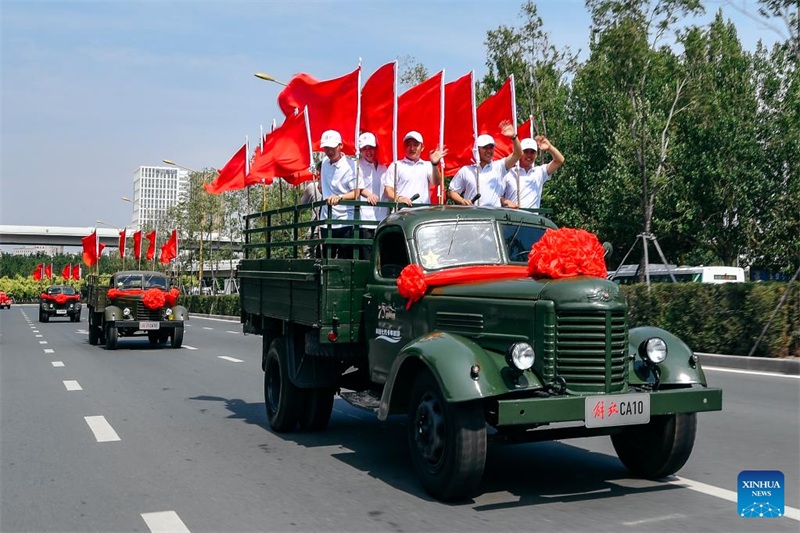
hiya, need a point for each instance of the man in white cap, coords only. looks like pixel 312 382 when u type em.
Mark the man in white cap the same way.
pixel 523 185
pixel 338 182
pixel 410 177
pixel 370 183
pixel 483 183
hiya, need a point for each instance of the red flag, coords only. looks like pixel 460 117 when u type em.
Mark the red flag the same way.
pixel 459 123
pixel 170 249
pixel 332 105
pixel 151 248
pixel 285 152
pixel 100 248
pixel 76 272
pixel 493 110
pixel 38 272
pixel 122 243
pixel 377 109
pixel 48 271
pixel 232 176
pixel 66 271
pixel 137 245
pixel 90 249
pixel 420 109
pixel 525 130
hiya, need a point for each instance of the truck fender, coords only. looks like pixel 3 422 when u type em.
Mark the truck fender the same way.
pixel 449 358
pixel 677 369
pixel 112 313
pixel 179 312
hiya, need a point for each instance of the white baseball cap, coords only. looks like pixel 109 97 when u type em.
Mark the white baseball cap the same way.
pixel 330 139
pixel 367 139
pixel 413 135
pixel 485 140
pixel 529 144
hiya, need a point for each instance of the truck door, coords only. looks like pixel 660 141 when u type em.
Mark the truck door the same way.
pixel 387 323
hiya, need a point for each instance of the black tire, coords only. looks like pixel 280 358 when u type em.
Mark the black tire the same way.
pixel 317 408
pixel 43 317
pixel 76 317
pixel 94 335
pixel 282 399
pixel 176 337
pixel 112 335
pixel 153 337
pixel 657 449
pixel 447 441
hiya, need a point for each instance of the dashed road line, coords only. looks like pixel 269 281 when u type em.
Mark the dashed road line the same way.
pixel 234 332
pixel 39 336
pixel 42 342
pixel 71 385
pixel 102 430
pixel 189 347
pixel 58 363
pixel 164 521
pixel 231 359
pixel 208 328
pixel 49 350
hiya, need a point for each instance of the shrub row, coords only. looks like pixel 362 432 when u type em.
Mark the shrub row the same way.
pixel 724 318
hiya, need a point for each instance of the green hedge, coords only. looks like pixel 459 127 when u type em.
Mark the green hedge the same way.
pixel 726 318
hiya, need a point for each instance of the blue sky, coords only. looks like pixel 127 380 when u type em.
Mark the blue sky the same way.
pixel 92 90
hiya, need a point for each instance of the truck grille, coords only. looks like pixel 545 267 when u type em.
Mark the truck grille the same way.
pixel 590 350
pixel 468 323
pixel 143 313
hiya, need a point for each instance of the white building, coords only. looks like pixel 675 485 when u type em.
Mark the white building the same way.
pixel 33 250
pixel 155 190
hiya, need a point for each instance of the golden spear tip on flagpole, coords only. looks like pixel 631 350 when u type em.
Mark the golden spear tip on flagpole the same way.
pixel 267 77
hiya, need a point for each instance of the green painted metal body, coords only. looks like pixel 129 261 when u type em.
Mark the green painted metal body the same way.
pixel 461 333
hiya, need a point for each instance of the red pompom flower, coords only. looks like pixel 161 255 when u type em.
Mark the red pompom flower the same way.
pixel 567 252
pixel 154 298
pixel 411 284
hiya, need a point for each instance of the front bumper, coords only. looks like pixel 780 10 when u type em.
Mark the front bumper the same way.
pixel 134 324
pixel 531 411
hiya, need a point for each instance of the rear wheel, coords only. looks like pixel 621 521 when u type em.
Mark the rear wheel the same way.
pixel 94 335
pixel 318 404
pixel 283 400
pixel 111 337
pixel 447 441
pixel 659 448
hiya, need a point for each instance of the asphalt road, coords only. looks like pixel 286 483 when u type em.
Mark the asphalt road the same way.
pixel 156 439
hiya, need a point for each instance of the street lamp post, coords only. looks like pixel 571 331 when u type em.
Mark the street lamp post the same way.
pixel 202 220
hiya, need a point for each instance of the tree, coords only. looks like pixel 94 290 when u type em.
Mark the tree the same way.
pixel 410 72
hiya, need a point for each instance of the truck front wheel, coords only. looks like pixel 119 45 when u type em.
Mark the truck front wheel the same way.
pixel 111 337
pixel 94 335
pixel 283 400
pixel 177 337
pixel 659 448
pixel 447 441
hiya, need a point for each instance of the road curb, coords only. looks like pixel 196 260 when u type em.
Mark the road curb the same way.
pixel 742 362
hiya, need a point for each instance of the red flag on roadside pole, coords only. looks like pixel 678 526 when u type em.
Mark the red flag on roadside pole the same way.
pixel 332 105
pixel 459 123
pixel 379 109
pixel 38 272
pixel 48 271
pixel 496 108
pixel 66 271
pixel 76 272
pixel 122 243
pixel 137 245
pixel 90 247
pixel 151 247
pixel 170 249
pixel 232 176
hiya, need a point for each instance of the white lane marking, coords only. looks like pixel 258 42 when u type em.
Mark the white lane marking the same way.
pixel 751 372
pixel 82 332
pixel 42 342
pixel 189 347
pixel 58 363
pixel 232 319
pixel 656 519
pixel 71 384
pixel 234 332
pixel 731 496
pixel 165 521
pixel 102 430
pixel 206 327
pixel 231 359
pixel 35 331
pixel 39 336
pixel 49 350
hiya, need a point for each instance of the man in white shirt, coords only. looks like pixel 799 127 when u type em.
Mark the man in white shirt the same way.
pixel 483 183
pixel 523 185
pixel 411 175
pixel 338 181
pixel 369 179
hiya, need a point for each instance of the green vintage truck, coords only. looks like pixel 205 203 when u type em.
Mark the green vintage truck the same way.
pixel 133 302
pixel 513 358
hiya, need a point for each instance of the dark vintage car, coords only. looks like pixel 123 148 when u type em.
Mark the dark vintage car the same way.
pixel 5 301
pixel 60 301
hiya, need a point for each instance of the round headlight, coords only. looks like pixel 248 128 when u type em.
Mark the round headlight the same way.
pixel 521 356
pixel 653 350
pixel 126 312
pixel 168 312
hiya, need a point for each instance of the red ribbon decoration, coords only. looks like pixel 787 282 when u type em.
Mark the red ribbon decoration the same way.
pixel 60 299
pixel 153 298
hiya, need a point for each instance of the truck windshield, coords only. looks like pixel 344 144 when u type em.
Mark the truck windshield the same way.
pixel 457 243
pixel 139 281
pixel 518 240
pixel 69 291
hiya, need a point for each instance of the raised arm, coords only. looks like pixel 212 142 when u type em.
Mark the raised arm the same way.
pixel 546 146
pixel 507 129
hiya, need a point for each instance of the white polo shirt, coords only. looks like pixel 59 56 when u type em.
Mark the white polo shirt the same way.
pixel 490 187
pixel 531 182
pixel 370 177
pixel 337 178
pixel 408 178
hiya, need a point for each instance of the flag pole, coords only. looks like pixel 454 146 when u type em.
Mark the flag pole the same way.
pixel 441 138
pixel 394 136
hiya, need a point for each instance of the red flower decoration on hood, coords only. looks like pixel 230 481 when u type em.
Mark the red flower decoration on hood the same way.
pixel 567 252
pixel 154 298
pixel 411 284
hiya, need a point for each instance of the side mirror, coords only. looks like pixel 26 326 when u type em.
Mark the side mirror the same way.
pixel 608 249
